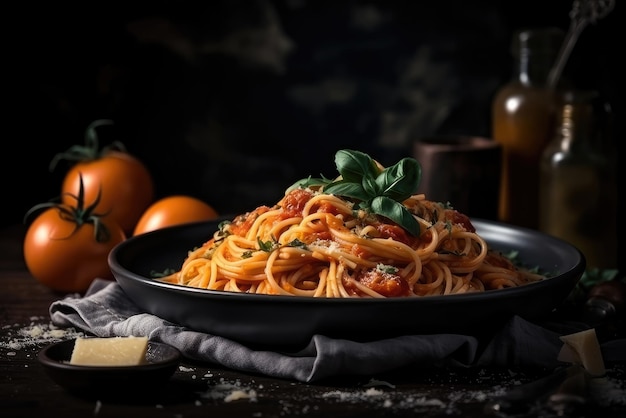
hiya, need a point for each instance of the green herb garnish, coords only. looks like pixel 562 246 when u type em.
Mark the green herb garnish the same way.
pixel 297 244
pixel 373 190
pixel 384 268
pixel 268 246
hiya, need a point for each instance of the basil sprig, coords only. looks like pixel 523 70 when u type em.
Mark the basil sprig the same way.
pixel 376 191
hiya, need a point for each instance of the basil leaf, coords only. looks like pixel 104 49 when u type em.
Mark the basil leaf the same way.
pixel 298 244
pixel 267 246
pixel 397 212
pixel 371 187
pixel 401 180
pixel 308 182
pixel 374 190
pixel 347 189
pixel 355 165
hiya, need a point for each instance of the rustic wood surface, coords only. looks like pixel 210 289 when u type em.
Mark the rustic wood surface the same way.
pixel 202 389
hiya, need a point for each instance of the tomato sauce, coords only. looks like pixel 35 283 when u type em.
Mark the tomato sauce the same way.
pixel 294 202
pixel 386 284
pixel 242 224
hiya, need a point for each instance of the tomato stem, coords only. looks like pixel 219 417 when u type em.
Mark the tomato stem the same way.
pixel 91 149
pixel 78 214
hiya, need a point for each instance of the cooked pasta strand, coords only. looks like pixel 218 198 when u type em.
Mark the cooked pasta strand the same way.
pixel 316 245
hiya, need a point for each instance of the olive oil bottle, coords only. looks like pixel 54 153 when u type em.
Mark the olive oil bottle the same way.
pixel 523 112
pixel 578 181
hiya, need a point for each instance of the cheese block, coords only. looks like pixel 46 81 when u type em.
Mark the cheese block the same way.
pixel 114 351
pixel 583 348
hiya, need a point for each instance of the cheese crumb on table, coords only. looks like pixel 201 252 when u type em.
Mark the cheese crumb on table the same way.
pixel 114 351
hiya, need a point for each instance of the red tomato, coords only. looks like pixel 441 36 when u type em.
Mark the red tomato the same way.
pixel 174 210
pixel 125 183
pixel 65 255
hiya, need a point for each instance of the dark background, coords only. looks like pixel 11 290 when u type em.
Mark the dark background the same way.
pixel 232 101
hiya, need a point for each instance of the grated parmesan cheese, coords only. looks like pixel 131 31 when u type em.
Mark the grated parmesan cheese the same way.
pixel 35 334
pixel 383 394
pixel 238 394
pixel 229 392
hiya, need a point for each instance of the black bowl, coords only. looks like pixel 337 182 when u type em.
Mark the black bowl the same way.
pixel 100 381
pixel 286 321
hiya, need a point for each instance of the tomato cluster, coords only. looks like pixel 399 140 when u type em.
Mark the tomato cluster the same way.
pixel 107 195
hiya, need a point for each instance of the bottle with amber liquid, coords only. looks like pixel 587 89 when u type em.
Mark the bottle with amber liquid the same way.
pixel 578 181
pixel 523 112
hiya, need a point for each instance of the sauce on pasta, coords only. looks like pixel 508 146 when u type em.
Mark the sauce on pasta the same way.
pixel 318 244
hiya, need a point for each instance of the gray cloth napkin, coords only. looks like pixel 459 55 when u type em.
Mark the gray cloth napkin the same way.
pixel 106 311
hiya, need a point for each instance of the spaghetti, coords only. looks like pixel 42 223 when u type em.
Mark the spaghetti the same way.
pixel 318 244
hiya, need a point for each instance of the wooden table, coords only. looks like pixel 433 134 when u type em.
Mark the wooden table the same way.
pixel 202 389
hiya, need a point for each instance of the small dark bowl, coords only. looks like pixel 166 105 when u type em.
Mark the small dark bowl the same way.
pixel 102 381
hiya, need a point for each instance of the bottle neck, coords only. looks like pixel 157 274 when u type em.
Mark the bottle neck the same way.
pixel 533 69
pixel 535 52
pixel 574 125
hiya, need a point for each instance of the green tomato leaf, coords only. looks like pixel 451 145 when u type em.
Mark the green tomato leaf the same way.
pixel 397 212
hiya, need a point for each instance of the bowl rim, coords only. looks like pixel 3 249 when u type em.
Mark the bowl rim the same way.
pixel 576 267
pixel 290 321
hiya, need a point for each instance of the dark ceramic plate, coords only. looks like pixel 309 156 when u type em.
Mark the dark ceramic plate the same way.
pixel 274 321
pixel 162 362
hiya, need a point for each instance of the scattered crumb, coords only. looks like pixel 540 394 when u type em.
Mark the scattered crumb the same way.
pixel 229 391
pixel 238 394
pixel 96 410
pixel 35 334
pixel 382 394
pixel 608 392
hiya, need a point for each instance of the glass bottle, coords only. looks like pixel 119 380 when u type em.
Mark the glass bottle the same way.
pixel 578 182
pixel 523 121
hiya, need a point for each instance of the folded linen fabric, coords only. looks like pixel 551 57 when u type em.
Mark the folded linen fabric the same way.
pixel 106 311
